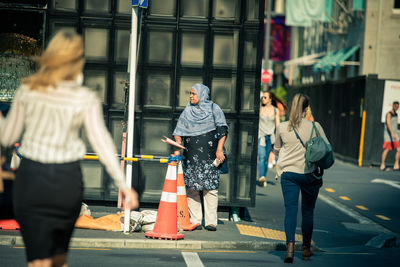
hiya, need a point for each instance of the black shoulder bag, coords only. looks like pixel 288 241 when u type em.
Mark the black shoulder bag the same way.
pixel 318 152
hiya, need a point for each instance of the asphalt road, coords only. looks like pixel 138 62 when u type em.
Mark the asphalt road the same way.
pixel 377 191
pixel 344 185
pixel 347 188
pixel 354 257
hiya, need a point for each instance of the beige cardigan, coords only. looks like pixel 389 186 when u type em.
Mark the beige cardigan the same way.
pixel 289 149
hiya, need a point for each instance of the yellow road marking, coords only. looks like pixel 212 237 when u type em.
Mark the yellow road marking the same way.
pixel 344 198
pixel 279 235
pixel 361 207
pixel 265 232
pixel 250 230
pixel 220 251
pixel 348 253
pixel 383 217
pixel 91 248
pixel 81 248
pixel 330 190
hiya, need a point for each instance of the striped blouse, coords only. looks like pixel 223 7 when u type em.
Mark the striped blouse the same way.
pixel 50 123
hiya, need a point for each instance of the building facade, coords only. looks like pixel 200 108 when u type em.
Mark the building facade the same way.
pixel 181 42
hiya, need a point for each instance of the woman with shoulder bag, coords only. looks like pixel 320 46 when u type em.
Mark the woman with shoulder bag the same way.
pixel 202 129
pixel 48 111
pixel 296 175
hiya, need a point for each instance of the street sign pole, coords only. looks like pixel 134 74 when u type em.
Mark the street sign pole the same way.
pixel 131 108
pixel 131 98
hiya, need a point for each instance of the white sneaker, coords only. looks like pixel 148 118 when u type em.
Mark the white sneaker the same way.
pixel 265 184
pixel 262 181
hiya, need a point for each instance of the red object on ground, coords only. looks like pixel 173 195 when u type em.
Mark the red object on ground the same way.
pixel 9 225
pixel 183 209
pixel 166 223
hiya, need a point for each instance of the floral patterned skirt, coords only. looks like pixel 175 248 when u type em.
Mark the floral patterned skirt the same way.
pixel 198 170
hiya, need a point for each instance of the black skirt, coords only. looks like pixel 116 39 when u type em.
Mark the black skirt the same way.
pixel 47 201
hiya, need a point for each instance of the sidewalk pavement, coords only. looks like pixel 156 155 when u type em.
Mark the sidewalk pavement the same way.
pixel 263 231
pixel 230 235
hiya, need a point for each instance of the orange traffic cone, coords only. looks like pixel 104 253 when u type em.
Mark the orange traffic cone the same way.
pixel 9 225
pixel 183 210
pixel 166 221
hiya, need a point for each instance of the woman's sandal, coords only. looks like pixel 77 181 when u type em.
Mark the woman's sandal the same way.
pixel 385 169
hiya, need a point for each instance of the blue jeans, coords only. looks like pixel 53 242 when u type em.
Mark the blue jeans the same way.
pixel 263 156
pixel 292 183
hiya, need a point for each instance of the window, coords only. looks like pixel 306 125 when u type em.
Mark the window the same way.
pixel 223 92
pixel 195 8
pixel 122 45
pixel 96 43
pixel 118 98
pixel 124 6
pixel 97 80
pixel 160 47
pixel 250 51
pixel 225 50
pixel 158 90
pixel 64 4
pixel 154 129
pixel 192 49
pixel 252 9
pixel 97 5
pixel 163 7
pixel 226 9
pixel 248 90
pixel 117 126
pixel 58 27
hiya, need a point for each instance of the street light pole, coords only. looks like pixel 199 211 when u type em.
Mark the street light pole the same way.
pixel 267 38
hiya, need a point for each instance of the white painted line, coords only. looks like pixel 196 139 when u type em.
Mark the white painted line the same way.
pixel 345 209
pixel 395 184
pixel 314 230
pixel 352 213
pixel 192 259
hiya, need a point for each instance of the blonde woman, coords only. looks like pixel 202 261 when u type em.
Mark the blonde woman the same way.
pixel 48 111
pixel 296 175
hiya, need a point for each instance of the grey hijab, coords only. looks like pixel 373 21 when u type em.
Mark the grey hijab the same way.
pixel 200 118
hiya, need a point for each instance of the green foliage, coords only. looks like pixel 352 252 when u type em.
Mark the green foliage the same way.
pixel 280 92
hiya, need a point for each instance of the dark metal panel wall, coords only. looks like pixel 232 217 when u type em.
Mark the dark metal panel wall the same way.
pixel 164 71
pixel 337 106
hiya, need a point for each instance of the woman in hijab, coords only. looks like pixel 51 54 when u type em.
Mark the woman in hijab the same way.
pixel 202 129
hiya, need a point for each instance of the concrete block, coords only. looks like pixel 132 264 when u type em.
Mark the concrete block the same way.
pixel 382 241
pixel 189 244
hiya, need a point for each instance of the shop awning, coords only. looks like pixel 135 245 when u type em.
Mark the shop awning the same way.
pixel 304 60
pixel 336 59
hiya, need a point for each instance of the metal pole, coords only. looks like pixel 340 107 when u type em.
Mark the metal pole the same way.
pixel 131 109
pixel 267 38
